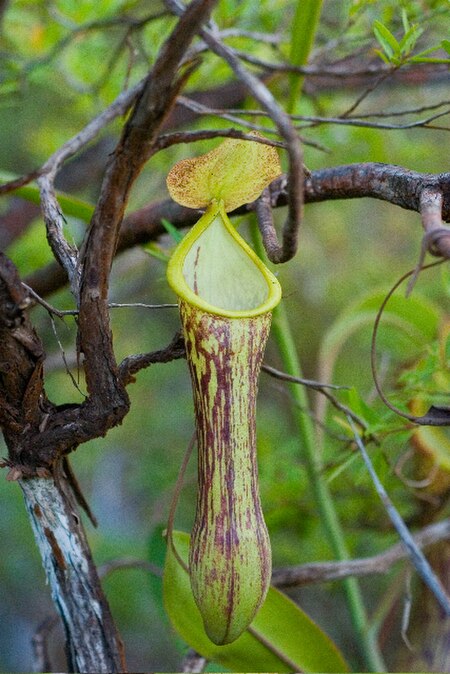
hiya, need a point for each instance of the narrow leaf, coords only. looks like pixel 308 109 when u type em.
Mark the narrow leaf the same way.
pixel 172 230
pixel 405 20
pixel 445 44
pixel 386 39
pixel 70 205
pixel 303 33
pixel 425 59
pixel 408 42
pixel 281 638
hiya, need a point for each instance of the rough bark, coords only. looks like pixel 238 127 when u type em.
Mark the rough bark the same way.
pixel 92 641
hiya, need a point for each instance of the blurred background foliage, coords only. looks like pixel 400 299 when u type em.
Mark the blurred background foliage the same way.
pixel 61 64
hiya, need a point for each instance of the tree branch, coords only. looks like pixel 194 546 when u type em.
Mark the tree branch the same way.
pixel 133 364
pixel 134 148
pixel 305 574
pixel 393 184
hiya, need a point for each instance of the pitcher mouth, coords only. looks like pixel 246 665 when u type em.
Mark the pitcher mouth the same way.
pixel 215 270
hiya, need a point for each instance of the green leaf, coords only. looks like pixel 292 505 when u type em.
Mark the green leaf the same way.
pixel 303 33
pixel 426 59
pixel 360 407
pixel 282 638
pixel 445 44
pixel 172 230
pixel 382 56
pixel 386 39
pixel 405 20
pixel 69 205
pixel 408 42
pixel 156 251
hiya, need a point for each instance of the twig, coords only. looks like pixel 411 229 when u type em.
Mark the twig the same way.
pixel 416 556
pixel 407 612
pixel 368 91
pixel 355 121
pixel 201 109
pixel 329 70
pixel 50 308
pixel 141 305
pixel 438 236
pixel 112 305
pixel 132 364
pixel 175 499
pixel 237 118
pixel 318 386
pixel 14 184
pixel 64 252
pixel 407 111
pixel 435 416
pixel 168 139
pixel 310 383
pixel 64 358
pixel 128 563
pixel 322 572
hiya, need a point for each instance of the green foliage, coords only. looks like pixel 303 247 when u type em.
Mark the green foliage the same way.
pixel 399 53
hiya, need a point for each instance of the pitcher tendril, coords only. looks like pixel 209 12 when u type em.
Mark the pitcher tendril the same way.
pixel 226 295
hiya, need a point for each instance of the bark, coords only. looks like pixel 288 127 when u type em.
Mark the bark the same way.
pixel 25 412
pixel 92 641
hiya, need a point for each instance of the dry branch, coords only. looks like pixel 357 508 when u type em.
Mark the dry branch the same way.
pixel 393 184
pixel 320 572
